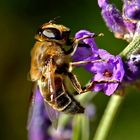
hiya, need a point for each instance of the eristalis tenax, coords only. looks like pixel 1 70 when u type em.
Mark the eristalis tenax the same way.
pixel 51 64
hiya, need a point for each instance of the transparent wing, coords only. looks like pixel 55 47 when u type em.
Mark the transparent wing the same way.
pixel 38 122
pixel 49 91
pixel 36 109
pixel 30 110
pixel 52 114
pixel 40 112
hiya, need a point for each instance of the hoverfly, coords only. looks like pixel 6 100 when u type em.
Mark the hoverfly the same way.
pixel 51 64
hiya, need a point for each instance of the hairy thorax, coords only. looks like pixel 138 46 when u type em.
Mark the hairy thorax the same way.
pixel 41 55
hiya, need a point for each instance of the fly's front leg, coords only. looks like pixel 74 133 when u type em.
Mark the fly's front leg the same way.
pixel 72 64
pixel 75 41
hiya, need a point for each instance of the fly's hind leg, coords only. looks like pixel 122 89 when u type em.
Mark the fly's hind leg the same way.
pixel 76 84
pixel 73 64
pixel 91 85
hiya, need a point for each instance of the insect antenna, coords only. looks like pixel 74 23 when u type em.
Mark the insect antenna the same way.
pixel 54 19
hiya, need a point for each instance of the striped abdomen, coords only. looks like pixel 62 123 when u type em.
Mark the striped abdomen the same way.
pixel 66 103
pixel 62 101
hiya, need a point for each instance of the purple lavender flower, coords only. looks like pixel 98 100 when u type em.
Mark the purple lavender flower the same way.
pixel 122 24
pixel 113 18
pixel 107 69
pixel 131 9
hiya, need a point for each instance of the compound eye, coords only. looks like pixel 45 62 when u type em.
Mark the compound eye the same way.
pixel 52 33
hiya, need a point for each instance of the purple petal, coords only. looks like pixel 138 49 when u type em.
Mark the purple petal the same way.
pixel 132 68
pixel 131 9
pixel 98 87
pixel 82 53
pixel 131 27
pixel 88 41
pixel 104 55
pixel 110 88
pixel 119 69
pixel 102 3
pixel 88 47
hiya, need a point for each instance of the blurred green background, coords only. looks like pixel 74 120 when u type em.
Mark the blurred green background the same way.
pixel 19 20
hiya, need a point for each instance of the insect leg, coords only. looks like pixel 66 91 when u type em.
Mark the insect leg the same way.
pixel 85 62
pixel 75 41
pixel 76 84
pixel 48 73
pixel 91 85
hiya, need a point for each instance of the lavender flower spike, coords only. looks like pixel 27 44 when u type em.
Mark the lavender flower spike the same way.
pixel 39 121
pixel 113 18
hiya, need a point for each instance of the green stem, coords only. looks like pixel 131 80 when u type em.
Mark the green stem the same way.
pixel 77 128
pixel 81 122
pixel 108 117
pixel 116 100
pixel 132 48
